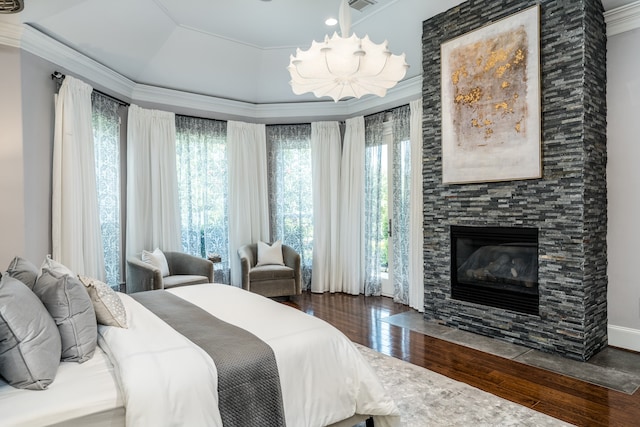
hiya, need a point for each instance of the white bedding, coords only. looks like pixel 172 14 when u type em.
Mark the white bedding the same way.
pixel 82 394
pixel 163 379
pixel 324 378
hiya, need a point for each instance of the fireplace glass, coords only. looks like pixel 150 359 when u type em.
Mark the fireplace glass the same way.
pixel 495 266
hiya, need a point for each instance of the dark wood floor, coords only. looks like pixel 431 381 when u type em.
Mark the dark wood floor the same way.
pixel 573 401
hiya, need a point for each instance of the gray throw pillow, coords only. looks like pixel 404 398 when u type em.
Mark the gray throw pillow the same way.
pixel 53 265
pixel 24 271
pixel 70 306
pixel 29 338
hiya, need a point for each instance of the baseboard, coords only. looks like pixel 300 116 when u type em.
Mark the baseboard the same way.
pixel 622 337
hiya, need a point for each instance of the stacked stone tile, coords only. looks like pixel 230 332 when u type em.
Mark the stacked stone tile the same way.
pixel 568 204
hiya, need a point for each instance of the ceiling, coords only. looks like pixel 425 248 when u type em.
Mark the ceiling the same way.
pixel 236 50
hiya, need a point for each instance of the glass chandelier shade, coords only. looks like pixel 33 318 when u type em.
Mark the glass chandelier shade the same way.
pixel 347 66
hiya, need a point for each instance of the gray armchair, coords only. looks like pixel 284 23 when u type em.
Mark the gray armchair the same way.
pixel 270 280
pixel 184 269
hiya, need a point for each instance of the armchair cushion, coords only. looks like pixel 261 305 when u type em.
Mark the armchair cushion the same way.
pixel 271 272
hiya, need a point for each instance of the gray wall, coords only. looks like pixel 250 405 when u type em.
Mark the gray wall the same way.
pixel 26 120
pixel 38 122
pixel 12 212
pixel 623 177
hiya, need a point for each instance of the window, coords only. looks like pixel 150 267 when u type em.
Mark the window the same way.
pixel 290 190
pixel 201 158
pixel 106 135
pixel 375 204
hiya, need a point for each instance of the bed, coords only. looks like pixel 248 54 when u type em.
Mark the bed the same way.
pixel 163 378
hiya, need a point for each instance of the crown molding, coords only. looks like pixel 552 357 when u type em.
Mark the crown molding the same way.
pixel 10 34
pixel 33 41
pixel 237 110
pixel 289 112
pixel 622 19
pixel 39 44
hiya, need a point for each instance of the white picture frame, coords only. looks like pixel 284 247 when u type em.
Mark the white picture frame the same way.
pixel 490 80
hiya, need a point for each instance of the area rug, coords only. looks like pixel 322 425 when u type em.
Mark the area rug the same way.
pixel 426 398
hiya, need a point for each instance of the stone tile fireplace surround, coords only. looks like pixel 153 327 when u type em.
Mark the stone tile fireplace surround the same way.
pixel 568 204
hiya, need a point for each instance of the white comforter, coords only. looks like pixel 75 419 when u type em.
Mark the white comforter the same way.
pixel 167 380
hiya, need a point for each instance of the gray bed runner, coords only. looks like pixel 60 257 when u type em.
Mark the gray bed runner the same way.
pixel 248 383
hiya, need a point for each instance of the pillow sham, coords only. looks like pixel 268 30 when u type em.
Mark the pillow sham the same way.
pixel 70 306
pixel 29 339
pixel 23 270
pixel 106 303
pixel 270 254
pixel 53 265
pixel 157 259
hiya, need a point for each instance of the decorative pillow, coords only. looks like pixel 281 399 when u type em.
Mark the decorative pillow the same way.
pixel 29 338
pixel 107 304
pixel 270 254
pixel 70 306
pixel 157 259
pixel 24 271
pixel 53 265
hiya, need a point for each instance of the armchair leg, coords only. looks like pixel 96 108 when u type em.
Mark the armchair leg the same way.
pixel 369 422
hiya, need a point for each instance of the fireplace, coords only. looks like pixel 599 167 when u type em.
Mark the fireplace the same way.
pixel 567 204
pixel 496 267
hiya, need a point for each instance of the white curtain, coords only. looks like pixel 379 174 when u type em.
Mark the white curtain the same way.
pixel 416 257
pixel 351 266
pixel 325 170
pixel 248 198
pixel 75 228
pixel 153 207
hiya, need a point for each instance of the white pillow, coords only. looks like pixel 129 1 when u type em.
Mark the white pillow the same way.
pixel 157 259
pixel 270 254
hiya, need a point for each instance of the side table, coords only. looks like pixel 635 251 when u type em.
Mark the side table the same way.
pixel 214 258
pixel 217 272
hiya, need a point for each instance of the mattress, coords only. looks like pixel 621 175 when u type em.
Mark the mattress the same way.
pixel 83 394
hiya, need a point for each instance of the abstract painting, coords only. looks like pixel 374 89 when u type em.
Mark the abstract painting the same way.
pixel 491 102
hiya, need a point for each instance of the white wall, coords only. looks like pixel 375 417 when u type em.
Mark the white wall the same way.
pixel 12 218
pixel 623 178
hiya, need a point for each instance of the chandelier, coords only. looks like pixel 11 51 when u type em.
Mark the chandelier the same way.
pixel 347 66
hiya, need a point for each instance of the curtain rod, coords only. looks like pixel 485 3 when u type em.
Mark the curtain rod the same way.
pixel 59 77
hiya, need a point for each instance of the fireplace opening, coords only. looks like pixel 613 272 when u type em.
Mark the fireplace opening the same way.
pixel 496 267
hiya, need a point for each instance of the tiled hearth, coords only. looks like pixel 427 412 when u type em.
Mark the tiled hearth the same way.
pixel 567 205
